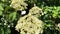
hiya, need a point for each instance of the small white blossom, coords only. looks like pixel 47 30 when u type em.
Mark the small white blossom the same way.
pixel 23 12
pixel 10 5
pixel 4 23
pixel 8 25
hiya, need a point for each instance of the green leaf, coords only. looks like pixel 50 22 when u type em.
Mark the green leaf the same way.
pixel 0 13
pixel 1 8
pixel 3 0
pixel 58 16
pixel 7 31
pixel 12 16
pixel 2 30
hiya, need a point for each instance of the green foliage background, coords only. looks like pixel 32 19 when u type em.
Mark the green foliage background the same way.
pixel 51 8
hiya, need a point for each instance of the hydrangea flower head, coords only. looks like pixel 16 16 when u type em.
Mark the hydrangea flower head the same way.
pixel 19 4
pixel 36 11
pixel 29 25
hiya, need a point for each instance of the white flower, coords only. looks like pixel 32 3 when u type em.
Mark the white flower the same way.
pixel 8 25
pixel 23 12
pixel 4 23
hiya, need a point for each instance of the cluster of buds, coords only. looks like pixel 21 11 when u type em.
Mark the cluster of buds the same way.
pixel 29 25
pixel 36 11
pixel 19 4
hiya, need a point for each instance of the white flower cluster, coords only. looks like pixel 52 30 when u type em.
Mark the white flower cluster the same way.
pixel 19 4
pixel 29 25
pixel 36 11
pixel 58 25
